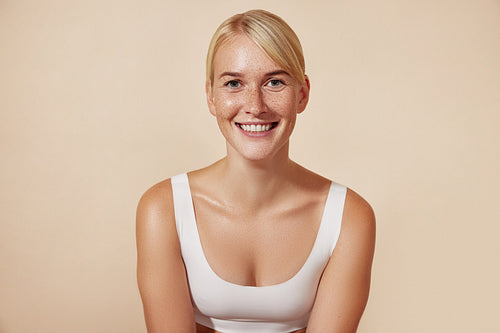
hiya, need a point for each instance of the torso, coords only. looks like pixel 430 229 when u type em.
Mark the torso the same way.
pixel 256 244
pixel 242 247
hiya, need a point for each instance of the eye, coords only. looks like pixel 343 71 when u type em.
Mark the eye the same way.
pixel 275 83
pixel 233 84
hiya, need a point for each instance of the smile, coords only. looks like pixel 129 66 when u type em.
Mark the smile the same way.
pixel 255 128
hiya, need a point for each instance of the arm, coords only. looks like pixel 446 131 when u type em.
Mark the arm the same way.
pixel 345 284
pixel 160 270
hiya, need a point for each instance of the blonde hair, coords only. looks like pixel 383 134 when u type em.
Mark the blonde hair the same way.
pixel 270 32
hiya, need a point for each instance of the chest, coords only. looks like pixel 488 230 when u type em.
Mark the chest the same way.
pixel 263 270
pixel 261 248
pixel 235 262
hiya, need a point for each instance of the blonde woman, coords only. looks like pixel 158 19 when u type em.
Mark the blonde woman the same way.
pixel 254 242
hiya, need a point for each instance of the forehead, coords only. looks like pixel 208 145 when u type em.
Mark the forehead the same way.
pixel 241 54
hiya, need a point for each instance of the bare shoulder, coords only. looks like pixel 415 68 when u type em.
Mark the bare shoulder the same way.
pixel 155 215
pixel 358 213
pixel 156 200
pixel 156 195
pixel 161 275
pixel 345 284
pixel 356 241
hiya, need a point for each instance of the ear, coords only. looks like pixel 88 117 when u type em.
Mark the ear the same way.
pixel 210 97
pixel 304 95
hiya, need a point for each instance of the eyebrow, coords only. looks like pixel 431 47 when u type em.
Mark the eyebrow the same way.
pixel 236 74
pixel 229 74
pixel 278 72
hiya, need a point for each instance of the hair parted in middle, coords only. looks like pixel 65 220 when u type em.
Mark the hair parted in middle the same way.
pixel 270 32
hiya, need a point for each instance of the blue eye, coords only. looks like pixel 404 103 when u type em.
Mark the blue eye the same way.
pixel 233 84
pixel 275 83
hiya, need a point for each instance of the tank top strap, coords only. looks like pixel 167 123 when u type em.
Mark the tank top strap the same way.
pixel 332 218
pixel 183 206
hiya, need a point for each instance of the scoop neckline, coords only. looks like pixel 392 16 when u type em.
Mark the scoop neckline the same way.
pixel 275 285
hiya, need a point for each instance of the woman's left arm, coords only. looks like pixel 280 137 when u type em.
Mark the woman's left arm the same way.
pixel 345 284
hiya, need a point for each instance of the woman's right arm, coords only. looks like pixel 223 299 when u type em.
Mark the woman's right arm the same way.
pixel 161 274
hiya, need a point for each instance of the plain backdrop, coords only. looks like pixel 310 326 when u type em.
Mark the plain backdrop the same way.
pixel 99 100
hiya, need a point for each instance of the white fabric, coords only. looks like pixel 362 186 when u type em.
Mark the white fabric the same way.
pixel 228 307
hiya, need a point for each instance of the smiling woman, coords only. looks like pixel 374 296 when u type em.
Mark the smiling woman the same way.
pixel 254 242
pixel 250 91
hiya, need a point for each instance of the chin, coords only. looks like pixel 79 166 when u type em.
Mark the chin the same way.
pixel 256 158
pixel 257 154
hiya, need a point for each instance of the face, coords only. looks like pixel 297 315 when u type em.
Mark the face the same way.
pixel 254 100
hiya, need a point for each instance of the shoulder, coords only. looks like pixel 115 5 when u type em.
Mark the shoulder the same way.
pixel 161 274
pixel 157 198
pixel 345 283
pixel 358 222
pixel 357 210
pixel 155 211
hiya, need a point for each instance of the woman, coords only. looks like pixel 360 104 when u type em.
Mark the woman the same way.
pixel 254 242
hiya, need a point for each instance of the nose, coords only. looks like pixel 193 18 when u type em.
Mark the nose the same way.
pixel 254 101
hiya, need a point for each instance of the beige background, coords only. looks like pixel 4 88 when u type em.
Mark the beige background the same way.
pixel 101 99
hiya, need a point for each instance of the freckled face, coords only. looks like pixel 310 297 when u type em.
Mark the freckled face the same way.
pixel 254 100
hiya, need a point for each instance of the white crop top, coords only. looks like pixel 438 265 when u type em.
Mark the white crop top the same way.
pixel 233 308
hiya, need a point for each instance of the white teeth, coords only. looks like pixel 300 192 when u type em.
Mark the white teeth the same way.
pixel 255 128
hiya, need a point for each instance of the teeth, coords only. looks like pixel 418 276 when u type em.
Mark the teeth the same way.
pixel 255 128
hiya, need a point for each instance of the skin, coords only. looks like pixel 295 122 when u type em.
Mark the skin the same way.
pixel 255 193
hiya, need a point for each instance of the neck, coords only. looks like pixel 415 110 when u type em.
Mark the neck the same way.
pixel 256 184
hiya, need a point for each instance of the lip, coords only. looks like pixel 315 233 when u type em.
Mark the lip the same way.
pixel 257 134
pixel 256 122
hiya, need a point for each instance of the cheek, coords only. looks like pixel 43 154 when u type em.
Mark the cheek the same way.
pixel 226 106
pixel 283 104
